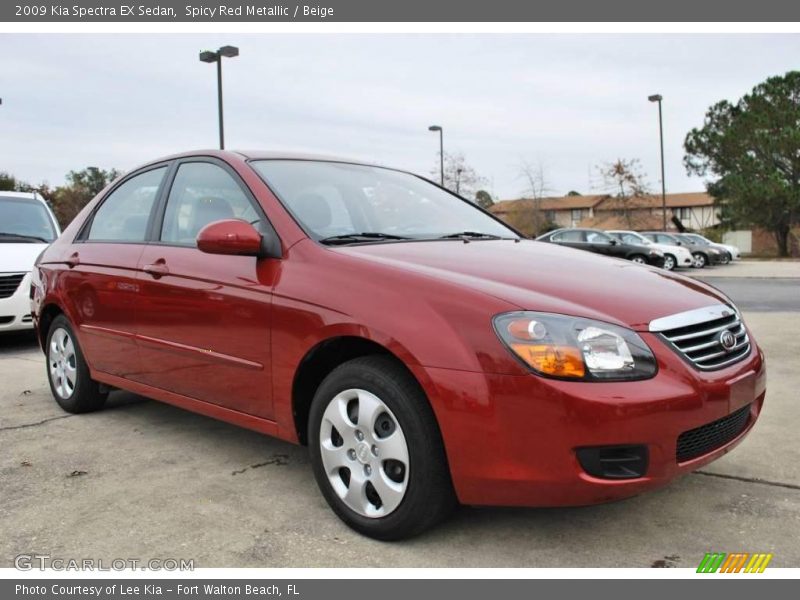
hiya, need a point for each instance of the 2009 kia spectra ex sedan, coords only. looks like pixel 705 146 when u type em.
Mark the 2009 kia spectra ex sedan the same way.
pixel 423 351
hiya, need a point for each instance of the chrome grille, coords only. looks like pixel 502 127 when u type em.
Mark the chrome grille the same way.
pixel 9 284
pixel 698 336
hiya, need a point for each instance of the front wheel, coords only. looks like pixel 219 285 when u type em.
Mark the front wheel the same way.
pixel 377 452
pixel 726 258
pixel 68 372
pixel 669 262
pixel 639 259
pixel 700 260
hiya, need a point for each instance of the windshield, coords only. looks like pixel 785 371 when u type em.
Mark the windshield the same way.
pixel 690 239
pixel 339 200
pixel 24 220
pixel 697 239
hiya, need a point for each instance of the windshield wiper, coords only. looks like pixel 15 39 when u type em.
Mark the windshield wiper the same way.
pixel 23 236
pixel 364 236
pixel 474 235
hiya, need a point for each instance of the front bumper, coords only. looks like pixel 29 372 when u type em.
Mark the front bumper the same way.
pixel 512 440
pixel 15 311
pixel 715 259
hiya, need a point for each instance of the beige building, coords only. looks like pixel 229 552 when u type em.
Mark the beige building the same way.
pixel 695 210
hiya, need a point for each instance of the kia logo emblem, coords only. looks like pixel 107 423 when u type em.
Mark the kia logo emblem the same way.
pixel 727 340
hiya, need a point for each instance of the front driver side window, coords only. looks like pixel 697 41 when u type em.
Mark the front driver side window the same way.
pixel 125 212
pixel 201 194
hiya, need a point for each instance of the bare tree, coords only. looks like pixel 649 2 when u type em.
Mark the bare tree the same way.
pixel 533 220
pixel 459 177
pixel 626 180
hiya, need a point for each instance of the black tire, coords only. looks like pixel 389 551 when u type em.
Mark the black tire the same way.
pixel 726 258
pixel 700 260
pixel 85 395
pixel 428 497
pixel 670 262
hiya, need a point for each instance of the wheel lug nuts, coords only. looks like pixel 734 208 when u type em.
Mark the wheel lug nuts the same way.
pixel 351 454
pixel 367 470
pixel 359 435
pixel 375 450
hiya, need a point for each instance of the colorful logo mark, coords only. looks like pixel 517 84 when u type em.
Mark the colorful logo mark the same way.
pixel 737 562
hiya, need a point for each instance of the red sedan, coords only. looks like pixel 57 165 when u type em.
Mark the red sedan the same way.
pixel 423 350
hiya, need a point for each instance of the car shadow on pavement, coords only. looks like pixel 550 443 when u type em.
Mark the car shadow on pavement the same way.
pixel 18 341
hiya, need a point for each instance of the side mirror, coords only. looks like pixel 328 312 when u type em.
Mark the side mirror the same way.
pixel 613 241
pixel 230 236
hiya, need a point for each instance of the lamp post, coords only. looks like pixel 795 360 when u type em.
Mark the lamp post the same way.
pixel 458 181
pixel 216 57
pixel 658 98
pixel 441 151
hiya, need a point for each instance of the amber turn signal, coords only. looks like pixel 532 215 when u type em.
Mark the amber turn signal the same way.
pixel 549 359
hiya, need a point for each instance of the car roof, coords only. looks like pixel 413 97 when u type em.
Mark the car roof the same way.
pixel 33 196
pixel 260 155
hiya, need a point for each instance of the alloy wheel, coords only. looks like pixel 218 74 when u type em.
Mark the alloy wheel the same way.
pixel 699 261
pixel 364 453
pixel 669 262
pixel 63 363
pixel 639 260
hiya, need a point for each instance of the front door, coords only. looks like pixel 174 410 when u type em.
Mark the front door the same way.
pixel 203 320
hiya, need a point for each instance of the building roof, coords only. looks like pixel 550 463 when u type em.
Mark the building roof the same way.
pixel 637 222
pixel 550 203
pixel 602 202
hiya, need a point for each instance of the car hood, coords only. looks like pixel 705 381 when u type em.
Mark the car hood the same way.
pixel 535 275
pixel 16 258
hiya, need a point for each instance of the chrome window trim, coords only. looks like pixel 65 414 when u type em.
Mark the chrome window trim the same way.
pixel 692 317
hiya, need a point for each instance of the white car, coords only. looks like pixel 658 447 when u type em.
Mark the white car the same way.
pixel 674 256
pixel 27 226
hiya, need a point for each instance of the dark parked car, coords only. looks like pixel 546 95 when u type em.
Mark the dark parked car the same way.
pixel 599 242
pixel 693 238
pixel 703 255
pixel 423 351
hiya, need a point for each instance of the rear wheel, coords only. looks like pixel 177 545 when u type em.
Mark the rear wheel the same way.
pixel 639 259
pixel 67 371
pixel 377 452
pixel 669 262
pixel 700 260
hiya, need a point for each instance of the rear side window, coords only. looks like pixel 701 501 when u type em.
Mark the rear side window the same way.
pixel 125 212
pixel 201 194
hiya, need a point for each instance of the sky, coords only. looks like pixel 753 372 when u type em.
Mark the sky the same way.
pixel 569 103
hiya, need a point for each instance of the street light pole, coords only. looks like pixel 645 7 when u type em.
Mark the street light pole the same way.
pixel 216 57
pixel 441 151
pixel 458 181
pixel 658 98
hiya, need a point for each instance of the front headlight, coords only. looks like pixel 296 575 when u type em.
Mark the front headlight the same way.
pixel 575 348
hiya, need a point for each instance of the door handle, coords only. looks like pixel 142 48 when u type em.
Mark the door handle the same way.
pixel 73 260
pixel 157 269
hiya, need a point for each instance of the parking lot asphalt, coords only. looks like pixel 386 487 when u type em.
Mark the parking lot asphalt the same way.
pixel 146 480
pixel 773 294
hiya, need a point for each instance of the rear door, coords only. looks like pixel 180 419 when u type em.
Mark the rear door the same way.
pixel 203 319
pixel 100 278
